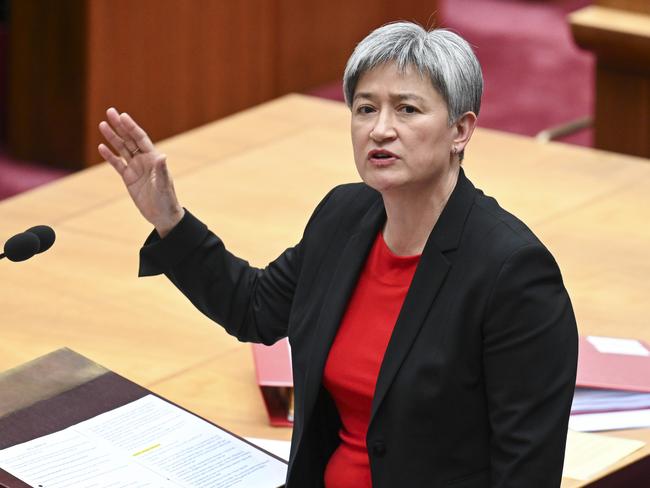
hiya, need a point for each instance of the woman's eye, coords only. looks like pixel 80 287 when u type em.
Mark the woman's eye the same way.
pixel 365 109
pixel 408 109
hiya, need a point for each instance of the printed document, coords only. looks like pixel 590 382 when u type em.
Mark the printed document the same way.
pixel 146 443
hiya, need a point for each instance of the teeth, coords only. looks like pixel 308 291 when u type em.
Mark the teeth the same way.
pixel 381 155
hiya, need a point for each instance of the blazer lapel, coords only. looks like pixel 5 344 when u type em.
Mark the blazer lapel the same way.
pixel 427 280
pixel 336 299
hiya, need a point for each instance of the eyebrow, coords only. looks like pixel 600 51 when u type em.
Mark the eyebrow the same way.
pixel 397 96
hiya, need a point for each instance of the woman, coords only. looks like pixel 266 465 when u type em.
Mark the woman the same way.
pixel 433 341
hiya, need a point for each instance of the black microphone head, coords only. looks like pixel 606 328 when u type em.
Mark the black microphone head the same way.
pixel 45 235
pixel 22 246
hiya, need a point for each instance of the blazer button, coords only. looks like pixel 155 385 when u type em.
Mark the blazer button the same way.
pixel 378 448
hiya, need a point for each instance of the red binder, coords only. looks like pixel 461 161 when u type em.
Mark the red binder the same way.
pixel 275 379
pixel 612 371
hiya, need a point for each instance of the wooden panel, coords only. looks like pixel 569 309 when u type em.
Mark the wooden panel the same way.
pixel 621 42
pixel 618 38
pixel 46 81
pixel 173 64
pixel 622 116
pixel 315 39
pixel 641 6
pixel 176 64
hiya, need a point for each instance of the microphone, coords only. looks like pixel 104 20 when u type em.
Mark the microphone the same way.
pixel 26 244
pixel 45 235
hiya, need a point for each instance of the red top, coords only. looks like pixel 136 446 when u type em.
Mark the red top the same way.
pixel 354 360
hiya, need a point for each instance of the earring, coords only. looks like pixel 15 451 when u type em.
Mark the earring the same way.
pixel 454 150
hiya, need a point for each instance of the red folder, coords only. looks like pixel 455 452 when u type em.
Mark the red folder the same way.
pixel 612 371
pixel 275 379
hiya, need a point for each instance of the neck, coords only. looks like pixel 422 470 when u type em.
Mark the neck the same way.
pixel 411 214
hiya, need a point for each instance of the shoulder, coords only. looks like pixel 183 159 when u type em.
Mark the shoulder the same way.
pixel 498 230
pixel 496 245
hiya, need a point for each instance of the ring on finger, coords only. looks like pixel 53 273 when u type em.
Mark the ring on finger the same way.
pixel 132 152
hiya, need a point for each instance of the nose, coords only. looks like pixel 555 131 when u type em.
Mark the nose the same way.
pixel 384 127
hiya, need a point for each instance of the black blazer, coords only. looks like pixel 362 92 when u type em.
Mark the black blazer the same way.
pixel 476 384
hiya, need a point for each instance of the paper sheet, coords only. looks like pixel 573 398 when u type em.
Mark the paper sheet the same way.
pixel 595 422
pixel 615 345
pixel 588 454
pixel 279 448
pixel 146 443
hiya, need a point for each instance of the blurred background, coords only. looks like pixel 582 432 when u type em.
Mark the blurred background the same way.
pixel 178 64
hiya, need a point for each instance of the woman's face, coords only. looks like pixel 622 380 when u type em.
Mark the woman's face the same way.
pixel 400 132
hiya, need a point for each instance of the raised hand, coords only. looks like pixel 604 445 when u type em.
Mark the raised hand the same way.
pixel 143 170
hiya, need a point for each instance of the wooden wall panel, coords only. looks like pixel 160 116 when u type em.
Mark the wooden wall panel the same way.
pixel 315 43
pixel 622 111
pixel 176 64
pixel 173 64
pixel 46 81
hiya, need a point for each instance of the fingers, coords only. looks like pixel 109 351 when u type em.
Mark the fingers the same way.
pixel 115 161
pixel 114 139
pixel 127 139
pixel 129 145
pixel 136 133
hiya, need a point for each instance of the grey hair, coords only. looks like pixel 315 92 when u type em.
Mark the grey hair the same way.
pixel 445 57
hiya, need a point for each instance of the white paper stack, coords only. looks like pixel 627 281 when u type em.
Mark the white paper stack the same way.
pixel 591 400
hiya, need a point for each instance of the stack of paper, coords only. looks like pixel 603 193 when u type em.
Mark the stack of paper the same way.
pixel 148 443
pixel 613 385
pixel 596 422
pixel 591 400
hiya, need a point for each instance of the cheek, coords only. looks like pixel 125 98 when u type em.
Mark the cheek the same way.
pixel 359 141
pixel 436 139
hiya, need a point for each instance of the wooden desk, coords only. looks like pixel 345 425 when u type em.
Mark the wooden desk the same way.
pixel 640 6
pixel 620 39
pixel 255 177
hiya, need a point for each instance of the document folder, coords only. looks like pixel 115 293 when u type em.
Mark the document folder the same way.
pixel 57 391
pixel 613 376
pixel 275 379
pixel 613 369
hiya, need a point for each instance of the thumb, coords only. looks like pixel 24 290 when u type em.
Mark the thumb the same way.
pixel 161 171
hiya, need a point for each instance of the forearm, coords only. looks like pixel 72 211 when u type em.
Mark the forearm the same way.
pixel 250 303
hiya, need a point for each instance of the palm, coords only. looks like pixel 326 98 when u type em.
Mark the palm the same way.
pixel 141 179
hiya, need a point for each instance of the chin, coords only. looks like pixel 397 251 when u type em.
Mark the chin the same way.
pixel 382 183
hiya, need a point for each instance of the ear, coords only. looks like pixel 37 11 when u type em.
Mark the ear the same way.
pixel 463 130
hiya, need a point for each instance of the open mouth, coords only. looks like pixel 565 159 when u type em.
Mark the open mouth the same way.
pixel 380 154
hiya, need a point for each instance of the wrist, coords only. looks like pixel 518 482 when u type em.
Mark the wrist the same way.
pixel 165 226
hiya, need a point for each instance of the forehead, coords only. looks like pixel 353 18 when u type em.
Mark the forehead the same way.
pixel 388 79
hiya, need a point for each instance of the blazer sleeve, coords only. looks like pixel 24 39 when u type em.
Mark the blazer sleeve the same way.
pixel 251 304
pixel 530 359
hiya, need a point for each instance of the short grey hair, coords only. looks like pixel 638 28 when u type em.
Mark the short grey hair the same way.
pixel 445 57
